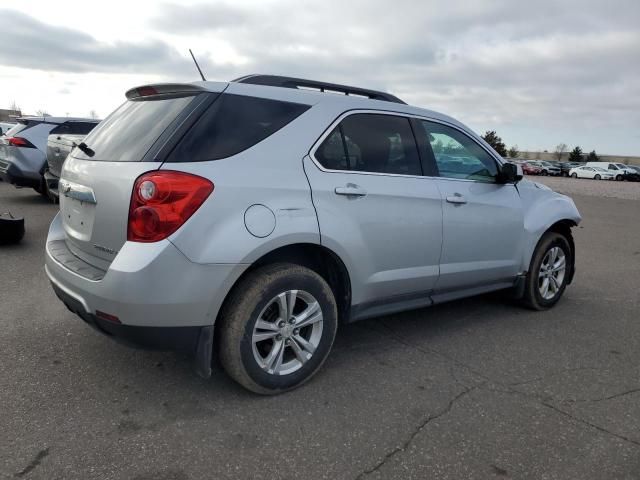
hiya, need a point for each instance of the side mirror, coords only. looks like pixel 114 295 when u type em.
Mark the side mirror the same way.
pixel 510 173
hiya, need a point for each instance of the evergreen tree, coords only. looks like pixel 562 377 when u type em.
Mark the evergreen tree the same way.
pixel 576 155
pixel 492 138
pixel 592 157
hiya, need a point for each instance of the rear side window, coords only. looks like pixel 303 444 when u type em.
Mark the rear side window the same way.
pixel 129 132
pixel 233 124
pixel 376 143
pixel 74 128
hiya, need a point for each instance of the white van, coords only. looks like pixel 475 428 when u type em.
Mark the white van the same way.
pixel 618 169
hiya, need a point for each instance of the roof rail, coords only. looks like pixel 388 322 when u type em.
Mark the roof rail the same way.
pixel 300 83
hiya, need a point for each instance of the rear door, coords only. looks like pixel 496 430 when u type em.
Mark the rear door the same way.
pixel 483 222
pixel 376 209
pixel 96 182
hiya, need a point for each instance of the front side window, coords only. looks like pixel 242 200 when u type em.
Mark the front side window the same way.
pixel 457 155
pixel 376 143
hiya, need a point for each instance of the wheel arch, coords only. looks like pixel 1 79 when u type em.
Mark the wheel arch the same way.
pixel 314 256
pixel 563 227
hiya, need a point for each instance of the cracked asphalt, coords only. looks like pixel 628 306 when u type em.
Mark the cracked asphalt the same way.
pixel 475 389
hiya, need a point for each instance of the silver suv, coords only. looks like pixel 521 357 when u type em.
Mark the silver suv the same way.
pixel 249 219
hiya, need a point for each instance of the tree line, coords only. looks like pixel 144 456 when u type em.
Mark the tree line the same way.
pixel 576 155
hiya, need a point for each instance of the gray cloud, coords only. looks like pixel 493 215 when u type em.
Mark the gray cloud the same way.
pixel 557 68
pixel 41 46
pixel 541 72
pixel 178 19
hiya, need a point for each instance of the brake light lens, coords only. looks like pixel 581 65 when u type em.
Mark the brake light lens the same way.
pixel 146 91
pixel 162 201
pixel 20 142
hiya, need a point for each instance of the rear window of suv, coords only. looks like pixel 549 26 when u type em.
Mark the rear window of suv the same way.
pixel 21 126
pixel 129 132
pixel 233 124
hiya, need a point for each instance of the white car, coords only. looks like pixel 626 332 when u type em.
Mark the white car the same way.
pixel 591 172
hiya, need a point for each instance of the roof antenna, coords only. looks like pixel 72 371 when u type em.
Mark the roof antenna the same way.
pixel 197 66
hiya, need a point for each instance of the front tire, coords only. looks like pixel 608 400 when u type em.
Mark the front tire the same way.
pixel 549 272
pixel 597 177
pixel 619 178
pixel 277 328
pixel 574 175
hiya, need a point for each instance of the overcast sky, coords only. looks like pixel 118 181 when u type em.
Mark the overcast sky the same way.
pixel 539 73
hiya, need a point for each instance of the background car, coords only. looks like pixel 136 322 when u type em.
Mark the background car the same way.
pixel 530 169
pixel 565 167
pixel 23 152
pixel 547 168
pixel 62 140
pixel 594 173
pixel 617 169
pixel 630 174
pixel 5 127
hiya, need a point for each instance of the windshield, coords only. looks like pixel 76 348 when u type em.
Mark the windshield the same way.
pixel 129 132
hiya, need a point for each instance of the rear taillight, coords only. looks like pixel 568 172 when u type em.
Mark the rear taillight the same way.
pixel 20 142
pixel 162 201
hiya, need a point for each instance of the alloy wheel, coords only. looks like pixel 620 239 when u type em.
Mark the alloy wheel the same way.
pixel 287 332
pixel 552 273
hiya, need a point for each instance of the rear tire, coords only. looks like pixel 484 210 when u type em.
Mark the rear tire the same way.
pixel 550 270
pixel 263 350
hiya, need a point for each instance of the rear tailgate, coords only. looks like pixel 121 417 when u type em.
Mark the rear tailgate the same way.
pixel 97 179
pixel 94 205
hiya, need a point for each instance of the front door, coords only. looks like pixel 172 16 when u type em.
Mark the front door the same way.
pixel 483 223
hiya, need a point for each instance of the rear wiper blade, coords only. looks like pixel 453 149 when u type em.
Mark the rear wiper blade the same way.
pixel 85 149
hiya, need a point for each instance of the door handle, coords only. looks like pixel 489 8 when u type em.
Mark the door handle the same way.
pixel 456 199
pixel 351 190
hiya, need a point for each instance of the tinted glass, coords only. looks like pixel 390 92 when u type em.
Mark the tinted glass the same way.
pixel 331 154
pixel 128 133
pixel 457 155
pixel 74 128
pixel 371 143
pixel 232 124
pixel 21 127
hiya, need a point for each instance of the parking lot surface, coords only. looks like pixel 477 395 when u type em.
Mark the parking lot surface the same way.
pixel 479 388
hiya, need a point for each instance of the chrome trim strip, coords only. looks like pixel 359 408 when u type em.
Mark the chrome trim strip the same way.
pixel 330 128
pixel 77 191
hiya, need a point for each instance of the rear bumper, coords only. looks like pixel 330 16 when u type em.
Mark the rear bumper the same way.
pixel 146 285
pixel 183 339
pixel 52 183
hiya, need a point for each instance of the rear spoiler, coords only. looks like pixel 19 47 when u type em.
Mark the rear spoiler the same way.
pixel 163 89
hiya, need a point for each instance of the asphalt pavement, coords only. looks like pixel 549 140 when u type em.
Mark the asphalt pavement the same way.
pixel 477 389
